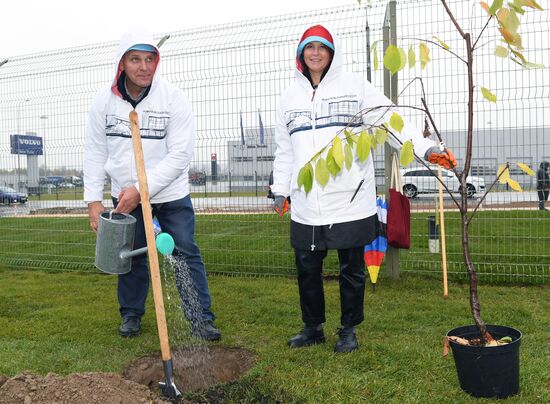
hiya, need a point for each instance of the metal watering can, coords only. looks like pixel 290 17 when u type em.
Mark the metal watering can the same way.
pixel 115 240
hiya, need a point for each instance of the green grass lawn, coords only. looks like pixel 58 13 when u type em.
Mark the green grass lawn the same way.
pixel 66 322
pixel 506 246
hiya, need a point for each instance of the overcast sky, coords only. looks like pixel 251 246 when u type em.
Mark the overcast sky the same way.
pixel 31 26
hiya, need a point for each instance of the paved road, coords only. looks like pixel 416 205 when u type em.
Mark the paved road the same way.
pixel 247 204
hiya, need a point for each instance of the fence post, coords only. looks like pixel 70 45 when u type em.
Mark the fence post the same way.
pixel 389 32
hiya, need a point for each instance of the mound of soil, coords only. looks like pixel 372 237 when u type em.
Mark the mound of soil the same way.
pixel 195 369
pixel 82 388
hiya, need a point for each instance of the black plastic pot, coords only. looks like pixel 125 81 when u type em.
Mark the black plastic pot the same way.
pixel 487 371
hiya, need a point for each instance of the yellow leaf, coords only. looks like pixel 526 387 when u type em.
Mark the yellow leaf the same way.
pixel 489 96
pixel 530 65
pixel 514 185
pixel 532 4
pixel 407 154
pixel 412 57
pixel 507 35
pixel 484 6
pixel 392 59
pixel 503 174
pixel 363 146
pixel 502 15
pixel 402 58
pixel 501 52
pixel 322 174
pixel 519 55
pixel 443 44
pixel 424 55
pixel 375 54
pixel 381 135
pixel 349 156
pixel 526 169
pixel 338 152
pixel 396 122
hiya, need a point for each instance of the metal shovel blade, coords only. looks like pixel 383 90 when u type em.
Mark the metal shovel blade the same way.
pixel 168 387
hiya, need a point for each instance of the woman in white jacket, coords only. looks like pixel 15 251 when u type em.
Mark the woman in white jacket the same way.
pixel 342 214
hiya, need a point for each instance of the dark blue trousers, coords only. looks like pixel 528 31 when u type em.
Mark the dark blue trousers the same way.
pixel 176 218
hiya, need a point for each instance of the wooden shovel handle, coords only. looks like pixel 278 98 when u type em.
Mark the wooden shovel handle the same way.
pixel 150 236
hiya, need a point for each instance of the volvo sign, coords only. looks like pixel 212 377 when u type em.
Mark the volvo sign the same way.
pixel 26 144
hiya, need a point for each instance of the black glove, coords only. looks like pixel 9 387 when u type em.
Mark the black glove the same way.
pixel 280 205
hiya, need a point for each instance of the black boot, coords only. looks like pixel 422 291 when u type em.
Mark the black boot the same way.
pixel 310 335
pixel 347 341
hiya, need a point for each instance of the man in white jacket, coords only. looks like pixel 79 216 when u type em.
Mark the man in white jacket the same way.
pixel 168 136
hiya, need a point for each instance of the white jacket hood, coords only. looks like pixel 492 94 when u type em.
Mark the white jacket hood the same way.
pixel 133 37
pixel 316 31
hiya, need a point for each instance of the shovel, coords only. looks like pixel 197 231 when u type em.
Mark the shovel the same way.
pixel 167 387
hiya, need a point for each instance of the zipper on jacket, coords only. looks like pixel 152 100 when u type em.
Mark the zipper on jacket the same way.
pixel 313 95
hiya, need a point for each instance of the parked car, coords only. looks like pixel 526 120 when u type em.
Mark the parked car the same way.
pixel 420 180
pixel 67 185
pixel 10 195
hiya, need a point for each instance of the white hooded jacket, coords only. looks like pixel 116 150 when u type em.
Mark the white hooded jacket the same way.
pixel 307 120
pixel 167 135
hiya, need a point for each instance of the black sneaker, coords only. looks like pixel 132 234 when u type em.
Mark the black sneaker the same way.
pixel 308 336
pixel 207 331
pixel 347 341
pixel 130 327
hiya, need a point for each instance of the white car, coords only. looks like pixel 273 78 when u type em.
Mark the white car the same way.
pixel 420 180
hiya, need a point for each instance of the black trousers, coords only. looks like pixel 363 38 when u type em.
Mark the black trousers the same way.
pixel 351 279
pixel 543 196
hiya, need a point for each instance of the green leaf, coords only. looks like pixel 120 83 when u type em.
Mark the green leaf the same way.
pixel 332 165
pixel 322 174
pixel 392 59
pixel 495 7
pixel 381 136
pixel 396 122
pixel 443 44
pixel 412 57
pixel 338 152
pixel 363 146
pixel 424 55
pixel 501 52
pixel 489 96
pixel 348 152
pixel 407 154
pixel 374 51
pixel 305 177
pixel 518 8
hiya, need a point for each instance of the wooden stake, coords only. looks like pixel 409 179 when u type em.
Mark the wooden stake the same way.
pixel 150 236
pixel 442 225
